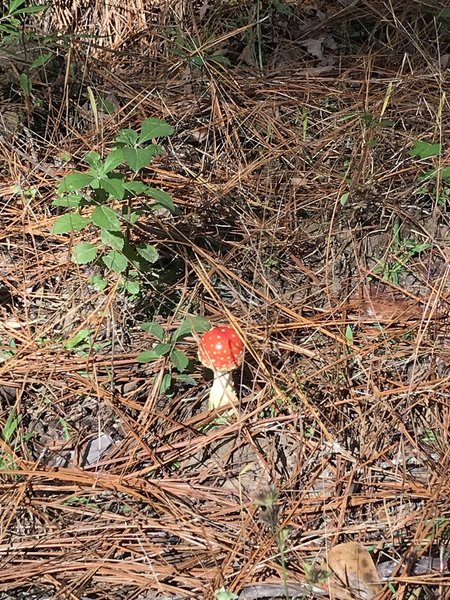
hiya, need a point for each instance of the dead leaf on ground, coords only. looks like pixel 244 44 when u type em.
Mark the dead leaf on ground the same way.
pixel 353 573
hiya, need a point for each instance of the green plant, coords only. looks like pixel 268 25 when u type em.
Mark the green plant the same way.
pixel 8 349
pixel 11 21
pixel 402 251
pixel 436 180
pixel 223 594
pixel 65 428
pixel 81 501
pixel 314 575
pixel 166 347
pixel 198 53
pixel 13 33
pixel 31 71
pixel 343 199
pixel 82 343
pixel 106 199
pixel 349 335
pixel 421 149
pixel 9 435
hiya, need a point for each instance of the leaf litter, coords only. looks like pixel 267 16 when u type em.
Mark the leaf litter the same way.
pixel 112 490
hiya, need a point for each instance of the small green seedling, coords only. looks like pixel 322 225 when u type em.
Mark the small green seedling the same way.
pixel 349 335
pixel 344 198
pixel 82 343
pixel 314 575
pixel 65 429
pixel 436 180
pixel 424 149
pixel 7 350
pixel 82 501
pixel 166 347
pixel 223 594
pixel 106 199
pixel 9 435
pixel 402 251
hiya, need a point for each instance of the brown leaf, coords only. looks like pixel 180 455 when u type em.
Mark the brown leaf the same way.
pixel 353 573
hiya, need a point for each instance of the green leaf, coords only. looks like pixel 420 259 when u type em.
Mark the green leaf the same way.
pixel 28 10
pixel 14 6
pixel 135 187
pixel 12 423
pixel 138 158
pixel 148 252
pixel 434 172
pixel 113 239
pixel 84 253
pixel 147 356
pixel 127 137
pixel 198 61
pixel 41 60
pixel 94 160
pixel 165 383
pixel 70 201
pixel 349 334
pixel 106 105
pixel 64 156
pixel 70 222
pixel 183 378
pixel 179 359
pixel 106 218
pixel 133 218
pixel 130 286
pixel 25 83
pixel 154 354
pixel 223 594
pixel 154 329
pixel 113 185
pixel 74 182
pixel 188 325
pixel 82 336
pixel 11 29
pixel 162 349
pixel 98 282
pixel 154 128
pixel 221 59
pixel 113 160
pixel 282 8
pixel 424 149
pixel 163 198
pixel 446 174
pixel 115 261
pixel 344 198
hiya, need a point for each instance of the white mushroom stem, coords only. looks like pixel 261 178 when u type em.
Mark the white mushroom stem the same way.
pixel 222 392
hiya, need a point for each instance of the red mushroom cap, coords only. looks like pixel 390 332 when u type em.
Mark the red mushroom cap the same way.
pixel 221 349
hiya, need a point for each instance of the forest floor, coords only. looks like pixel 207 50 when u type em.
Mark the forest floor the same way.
pixel 308 163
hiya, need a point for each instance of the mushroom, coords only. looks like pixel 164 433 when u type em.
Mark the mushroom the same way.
pixel 222 351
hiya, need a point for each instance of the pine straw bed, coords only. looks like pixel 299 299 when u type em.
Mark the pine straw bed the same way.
pixel 345 406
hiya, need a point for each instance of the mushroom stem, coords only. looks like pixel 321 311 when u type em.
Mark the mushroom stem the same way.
pixel 222 392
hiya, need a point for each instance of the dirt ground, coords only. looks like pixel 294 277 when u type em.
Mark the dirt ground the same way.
pixel 310 170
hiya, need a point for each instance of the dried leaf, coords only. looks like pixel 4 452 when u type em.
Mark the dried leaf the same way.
pixel 353 573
